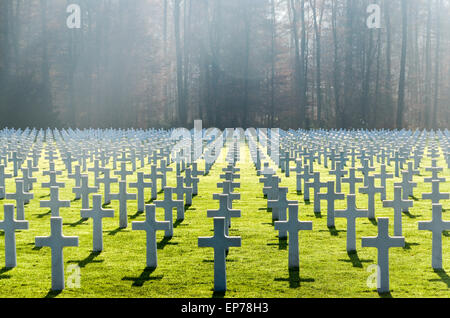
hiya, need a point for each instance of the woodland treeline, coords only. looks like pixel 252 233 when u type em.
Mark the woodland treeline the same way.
pixel 231 63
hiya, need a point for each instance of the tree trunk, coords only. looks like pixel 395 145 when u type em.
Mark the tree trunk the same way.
pixel 401 85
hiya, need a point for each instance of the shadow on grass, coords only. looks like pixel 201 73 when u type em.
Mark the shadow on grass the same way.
pixel 75 200
pixel 443 276
pixel 446 233
pixel 318 215
pixel 218 294
pixel 307 202
pixel 294 278
pixel 144 277
pixel 408 214
pixel 373 221
pixel 115 231
pixel 134 216
pixel 80 221
pixel 414 198
pixel 165 241
pixel 40 216
pixel 333 231
pixel 53 293
pixel 88 260
pixel 177 222
pixel 385 295
pixel 44 196
pixel 408 245
pixel 5 270
pixel 355 260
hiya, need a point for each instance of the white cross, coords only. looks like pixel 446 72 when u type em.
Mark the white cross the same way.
pixel 280 206
pixel 220 243
pixel 370 189
pixel 57 241
pixel 21 197
pixel 436 226
pixel 140 185
pixel 224 210
pixel 123 196
pixel 352 180
pixel 351 214
pixel 9 225
pixel 97 213
pixel 107 181
pixel 168 204
pixel 181 191
pixel 383 242
pixel 330 197
pixel 293 226
pixel 84 190
pixel 435 196
pixel 399 205
pixel 153 176
pixel 54 203
pixel 150 226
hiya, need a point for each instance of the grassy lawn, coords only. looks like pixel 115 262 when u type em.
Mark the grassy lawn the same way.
pixel 257 269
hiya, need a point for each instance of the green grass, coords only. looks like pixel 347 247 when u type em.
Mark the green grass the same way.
pixel 257 269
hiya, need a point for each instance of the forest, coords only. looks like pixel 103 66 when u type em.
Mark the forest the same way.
pixel 231 63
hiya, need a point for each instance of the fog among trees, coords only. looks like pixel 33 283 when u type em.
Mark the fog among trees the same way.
pixel 231 63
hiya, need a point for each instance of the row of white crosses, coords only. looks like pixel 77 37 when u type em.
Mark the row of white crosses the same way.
pixel 57 241
pixel 221 241
pixel 400 204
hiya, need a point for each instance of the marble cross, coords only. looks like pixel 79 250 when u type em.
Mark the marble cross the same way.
pixel 383 176
pixel 52 182
pixel 399 205
pixel 123 196
pixel 163 169
pixel 351 214
pixel 191 181
pixel 97 213
pixel 182 192
pixel 9 225
pixel 224 210
pixel 21 197
pixel 123 172
pixel 383 242
pixel 339 173
pixel 330 197
pixel 168 204
pixel 54 203
pixel 3 176
pixel 220 242
pixel 140 185
pixel 407 185
pixel 153 176
pixel 77 177
pixel 370 189
pixel 84 190
pixel 435 196
pixel 107 181
pixel 97 170
pixel 352 180
pixel 280 206
pixel 436 226
pixel 293 226
pixel 150 226
pixel 57 241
